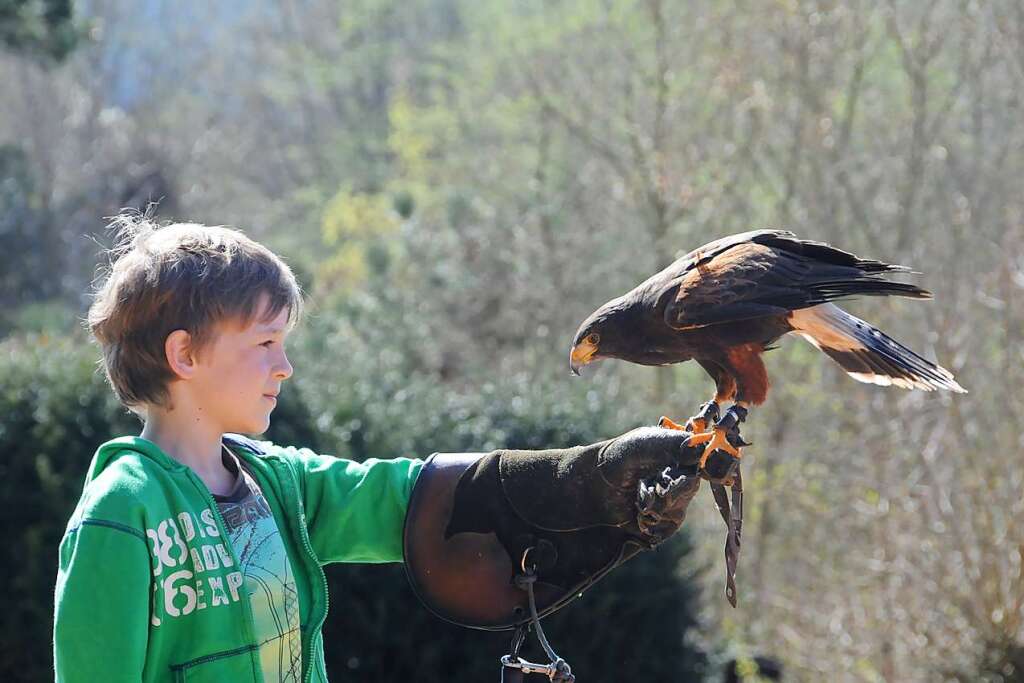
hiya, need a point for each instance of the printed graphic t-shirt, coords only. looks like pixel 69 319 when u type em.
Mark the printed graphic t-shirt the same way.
pixel 269 580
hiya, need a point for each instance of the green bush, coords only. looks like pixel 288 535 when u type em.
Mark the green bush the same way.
pixel 57 409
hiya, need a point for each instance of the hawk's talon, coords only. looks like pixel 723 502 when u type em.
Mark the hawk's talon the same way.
pixel 715 440
pixel 668 423
pixel 736 439
pixel 696 425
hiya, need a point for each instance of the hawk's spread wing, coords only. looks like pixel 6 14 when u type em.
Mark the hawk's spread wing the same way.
pixel 769 273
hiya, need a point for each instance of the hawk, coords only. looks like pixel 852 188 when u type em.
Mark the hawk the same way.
pixel 724 304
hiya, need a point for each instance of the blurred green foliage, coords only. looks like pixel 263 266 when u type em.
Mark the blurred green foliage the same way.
pixel 56 409
pixel 23 255
pixel 42 28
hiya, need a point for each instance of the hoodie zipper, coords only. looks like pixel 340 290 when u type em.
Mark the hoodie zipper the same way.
pixel 304 535
pixel 222 528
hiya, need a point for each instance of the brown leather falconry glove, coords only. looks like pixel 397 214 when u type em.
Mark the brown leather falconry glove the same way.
pixel 566 517
pixel 581 510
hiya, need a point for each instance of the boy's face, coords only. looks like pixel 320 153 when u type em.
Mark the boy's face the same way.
pixel 240 373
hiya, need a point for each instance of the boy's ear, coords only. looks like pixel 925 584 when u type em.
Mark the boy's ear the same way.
pixel 180 356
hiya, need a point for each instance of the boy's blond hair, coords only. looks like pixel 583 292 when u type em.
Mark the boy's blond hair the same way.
pixel 182 276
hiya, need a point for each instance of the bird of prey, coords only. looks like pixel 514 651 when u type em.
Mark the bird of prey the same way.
pixel 725 303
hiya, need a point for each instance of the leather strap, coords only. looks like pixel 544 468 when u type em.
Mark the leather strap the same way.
pixel 733 516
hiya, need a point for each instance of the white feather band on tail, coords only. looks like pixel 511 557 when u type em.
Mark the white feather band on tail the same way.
pixel 867 354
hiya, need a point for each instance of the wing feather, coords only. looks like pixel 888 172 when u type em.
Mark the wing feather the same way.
pixel 765 273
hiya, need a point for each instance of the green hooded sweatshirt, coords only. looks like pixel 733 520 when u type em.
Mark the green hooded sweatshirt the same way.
pixel 148 587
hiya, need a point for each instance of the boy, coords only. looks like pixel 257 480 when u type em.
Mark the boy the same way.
pixel 195 554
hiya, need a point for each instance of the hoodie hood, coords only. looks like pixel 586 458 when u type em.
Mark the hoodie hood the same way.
pixel 115 448
pixel 109 452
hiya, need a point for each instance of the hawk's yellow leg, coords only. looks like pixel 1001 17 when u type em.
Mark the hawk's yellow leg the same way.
pixel 716 440
pixel 708 413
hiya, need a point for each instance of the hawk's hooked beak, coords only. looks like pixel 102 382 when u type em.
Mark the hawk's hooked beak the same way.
pixel 580 355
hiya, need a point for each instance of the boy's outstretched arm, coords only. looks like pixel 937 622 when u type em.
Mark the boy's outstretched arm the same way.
pixel 354 510
pixel 102 598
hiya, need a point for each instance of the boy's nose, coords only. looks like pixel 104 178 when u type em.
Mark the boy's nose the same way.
pixel 284 368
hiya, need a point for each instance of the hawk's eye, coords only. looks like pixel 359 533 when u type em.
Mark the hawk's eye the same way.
pixel 593 338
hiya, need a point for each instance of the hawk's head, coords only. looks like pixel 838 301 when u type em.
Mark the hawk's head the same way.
pixel 601 335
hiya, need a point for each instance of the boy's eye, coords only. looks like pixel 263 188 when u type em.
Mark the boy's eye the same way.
pixel 267 343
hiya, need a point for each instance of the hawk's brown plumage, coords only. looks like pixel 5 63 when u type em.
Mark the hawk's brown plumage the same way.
pixel 724 303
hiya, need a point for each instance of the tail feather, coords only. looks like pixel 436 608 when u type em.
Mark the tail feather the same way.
pixel 867 354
